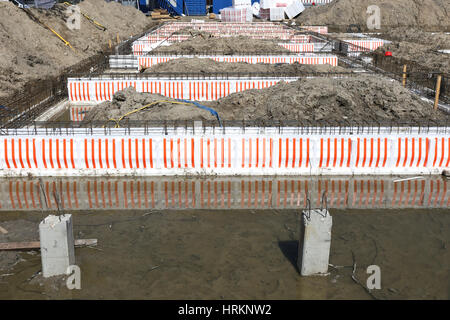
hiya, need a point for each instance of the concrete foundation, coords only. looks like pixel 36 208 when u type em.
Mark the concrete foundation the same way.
pixel 314 242
pixel 57 244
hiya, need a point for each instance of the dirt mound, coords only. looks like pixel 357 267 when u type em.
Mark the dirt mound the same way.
pixel 421 47
pixel 227 45
pixel 128 99
pixel 197 65
pixel 423 55
pixel 427 14
pixel 362 99
pixel 30 51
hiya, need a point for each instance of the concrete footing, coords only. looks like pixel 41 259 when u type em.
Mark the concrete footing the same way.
pixel 57 244
pixel 314 242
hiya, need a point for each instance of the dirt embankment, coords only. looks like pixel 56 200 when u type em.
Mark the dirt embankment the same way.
pixel 227 46
pixel 421 47
pixel 362 99
pixel 426 14
pixel 197 65
pixel 29 51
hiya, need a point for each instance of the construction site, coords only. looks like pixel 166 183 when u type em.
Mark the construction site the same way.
pixel 214 150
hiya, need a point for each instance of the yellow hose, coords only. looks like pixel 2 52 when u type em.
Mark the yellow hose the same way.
pixel 89 18
pixel 56 33
pixel 60 37
pixel 117 121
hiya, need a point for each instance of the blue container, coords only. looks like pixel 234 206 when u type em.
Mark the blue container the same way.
pixel 176 9
pixel 195 7
pixel 220 4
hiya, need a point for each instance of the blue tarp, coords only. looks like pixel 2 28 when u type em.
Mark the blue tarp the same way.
pixel 220 4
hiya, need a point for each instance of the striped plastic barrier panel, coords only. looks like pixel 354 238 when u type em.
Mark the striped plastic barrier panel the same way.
pixel 222 154
pixel 318 29
pixel 149 61
pixel 298 47
pixel 364 45
pixel 96 91
pixel 77 113
pixel 221 193
pixel 141 47
pixel 316 2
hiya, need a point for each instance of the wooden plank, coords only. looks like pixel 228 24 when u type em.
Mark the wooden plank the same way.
pixel 37 244
pixel 438 91
pixel 165 16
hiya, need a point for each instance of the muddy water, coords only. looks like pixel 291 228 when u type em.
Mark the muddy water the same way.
pixel 231 252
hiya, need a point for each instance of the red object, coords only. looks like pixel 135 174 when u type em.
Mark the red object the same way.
pixel 388 54
pixel 313 3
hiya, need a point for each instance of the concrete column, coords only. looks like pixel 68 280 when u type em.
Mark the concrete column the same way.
pixel 314 243
pixel 57 244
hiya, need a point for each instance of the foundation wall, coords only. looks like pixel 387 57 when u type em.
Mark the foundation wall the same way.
pixel 222 193
pixel 266 152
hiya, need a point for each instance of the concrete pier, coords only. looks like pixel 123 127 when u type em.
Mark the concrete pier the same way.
pixel 57 244
pixel 314 242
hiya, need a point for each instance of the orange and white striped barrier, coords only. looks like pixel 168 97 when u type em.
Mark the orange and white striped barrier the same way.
pixel 142 47
pixel 221 193
pixel 77 113
pixel 317 29
pixel 364 45
pixel 93 91
pixel 316 2
pixel 149 61
pixel 223 154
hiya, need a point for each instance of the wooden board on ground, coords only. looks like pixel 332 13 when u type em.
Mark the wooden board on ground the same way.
pixel 37 244
pixel 162 16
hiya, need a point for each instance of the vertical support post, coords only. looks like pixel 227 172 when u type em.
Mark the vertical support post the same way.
pixel 118 39
pixel 438 91
pixel 110 44
pixel 404 76
pixel 314 243
pixel 57 244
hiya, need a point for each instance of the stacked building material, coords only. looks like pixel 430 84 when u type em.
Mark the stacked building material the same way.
pixel 275 10
pixel 241 11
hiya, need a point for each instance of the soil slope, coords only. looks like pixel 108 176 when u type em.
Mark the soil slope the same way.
pixel 30 51
pixel 426 14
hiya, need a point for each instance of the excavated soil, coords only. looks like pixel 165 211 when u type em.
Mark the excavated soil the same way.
pixel 228 45
pixel 426 14
pixel 29 51
pixel 197 65
pixel 362 98
pixel 420 46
